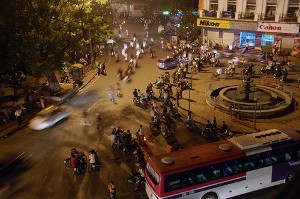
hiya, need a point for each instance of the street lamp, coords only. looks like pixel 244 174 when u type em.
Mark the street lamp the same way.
pixel 190 87
pixel 255 99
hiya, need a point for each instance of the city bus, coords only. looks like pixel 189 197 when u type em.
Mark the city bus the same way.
pixel 226 168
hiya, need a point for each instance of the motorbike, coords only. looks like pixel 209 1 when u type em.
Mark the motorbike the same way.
pixel 130 147
pixel 150 95
pixel 142 102
pixel 174 112
pixel 158 85
pixel 135 178
pixel 81 164
pixel 190 124
pixel 165 130
pixel 118 143
pixel 141 139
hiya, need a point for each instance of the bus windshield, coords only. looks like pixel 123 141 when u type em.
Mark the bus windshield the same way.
pixel 153 175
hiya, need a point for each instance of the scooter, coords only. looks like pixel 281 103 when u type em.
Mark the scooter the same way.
pixel 135 178
pixel 141 139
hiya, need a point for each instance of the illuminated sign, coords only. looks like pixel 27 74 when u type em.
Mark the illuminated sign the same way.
pixel 278 27
pixel 213 23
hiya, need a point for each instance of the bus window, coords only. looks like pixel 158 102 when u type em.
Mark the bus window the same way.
pixel 215 171
pixel 249 166
pixel 227 171
pixel 179 180
pixel 237 166
pixel 153 175
pixel 200 178
pixel 288 156
pixel 298 153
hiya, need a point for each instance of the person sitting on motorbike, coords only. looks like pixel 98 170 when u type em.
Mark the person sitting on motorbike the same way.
pixel 135 95
pixel 73 162
pixel 143 99
pixel 189 119
pixel 149 88
pixel 155 120
pixel 224 128
pixel 208 127
pixel 139 157
pixel 127 136
pixel 251 69
pixel 141 131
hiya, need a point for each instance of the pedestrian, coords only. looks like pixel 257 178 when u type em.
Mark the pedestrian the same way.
pixel 112 190
pixel 224 128
pixel 120 35
pixel 118 89
pixel 177 98
pixel 42 101
pixel 98 121
pixel 111 94
pixel 92 161
pixel 85 119
pixel 127 32
pixel 16 96
pixel 214 125
pixel 131 43
pixel 18 114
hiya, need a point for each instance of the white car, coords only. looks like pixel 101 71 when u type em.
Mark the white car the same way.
pixel 48 117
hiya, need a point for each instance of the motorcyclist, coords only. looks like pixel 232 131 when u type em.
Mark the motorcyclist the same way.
pixel 135 95
pixel 224 128
pixel 143 99
pixel 189 120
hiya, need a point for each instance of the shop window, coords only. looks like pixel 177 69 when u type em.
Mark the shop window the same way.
pixel 247 37
pixel 267 40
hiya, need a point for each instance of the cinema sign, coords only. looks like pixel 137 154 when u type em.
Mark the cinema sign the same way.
pixel 278 28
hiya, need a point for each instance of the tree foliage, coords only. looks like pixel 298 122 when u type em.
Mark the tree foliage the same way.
pixel 40 35
pixel 188 27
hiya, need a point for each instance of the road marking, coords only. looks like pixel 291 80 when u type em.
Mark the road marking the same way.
pixel 90 108
pixel 89 85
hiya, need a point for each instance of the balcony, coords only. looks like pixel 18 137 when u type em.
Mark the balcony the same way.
pixel 288 18
pixel 228 14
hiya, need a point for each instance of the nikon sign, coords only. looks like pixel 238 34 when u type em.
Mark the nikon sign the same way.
pixel 210 23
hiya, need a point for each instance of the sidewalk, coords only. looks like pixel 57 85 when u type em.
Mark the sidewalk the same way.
pixel 10 128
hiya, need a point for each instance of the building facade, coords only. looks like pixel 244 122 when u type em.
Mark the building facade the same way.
pixel 257 22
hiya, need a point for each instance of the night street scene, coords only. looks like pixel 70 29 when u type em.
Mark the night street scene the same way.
pixel 158 99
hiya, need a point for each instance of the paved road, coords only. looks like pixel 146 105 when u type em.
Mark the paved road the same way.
pixel 46 177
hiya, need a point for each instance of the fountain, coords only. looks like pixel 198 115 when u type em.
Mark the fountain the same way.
pixel 250 98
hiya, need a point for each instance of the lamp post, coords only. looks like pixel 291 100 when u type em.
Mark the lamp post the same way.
pixel 190 91
pixel 255 99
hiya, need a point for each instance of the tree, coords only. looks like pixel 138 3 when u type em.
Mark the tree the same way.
pixel 40 35
pixel 188 27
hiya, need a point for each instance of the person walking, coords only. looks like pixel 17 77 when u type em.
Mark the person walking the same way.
pixel 177 98
pixel 18 114
pixel 118 90
pixel 85 119
pixel 111 94
pixel 112 190
pixel 42 101
pixel 92 161
pixel 98 121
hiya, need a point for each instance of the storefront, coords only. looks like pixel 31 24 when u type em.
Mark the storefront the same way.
pixel 257 34
pixel 213 30
pixel 280 35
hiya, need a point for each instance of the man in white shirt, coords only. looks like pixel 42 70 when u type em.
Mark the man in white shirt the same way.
pixel 18 114
pixel 92 160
